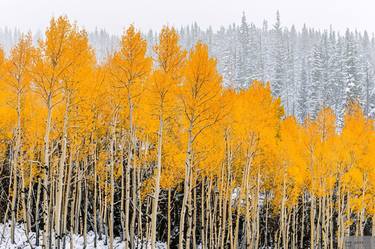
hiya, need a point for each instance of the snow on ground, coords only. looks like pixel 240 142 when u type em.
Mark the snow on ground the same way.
pixel 28 242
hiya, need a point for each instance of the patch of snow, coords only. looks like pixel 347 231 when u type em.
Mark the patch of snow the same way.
pixel 23 241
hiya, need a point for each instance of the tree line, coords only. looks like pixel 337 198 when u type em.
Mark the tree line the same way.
pixel 156 148
pixel 308 68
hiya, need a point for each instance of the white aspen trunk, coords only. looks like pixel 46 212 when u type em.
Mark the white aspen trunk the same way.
pixel 112 179
pixel 189 213
pixel 101 213
pixel 312 222
pixel 29 198
pixel 85 217
pixel 13 208
pixel 122 202
pixel 303 221
pixel 209 216
pixel 266 222
pixel 294 238
pixel 324 228
pixel 246 188
pixel 348 214
pixel 331 222
pixel 289 215
pixel 46 216
pixel 236 229
pixel 134 200
pixel 230 238
pixel 202 214
pixel 283 218
pixel 61 173
pixel 67 194
pixel 157 183
pixel 186 189
pixel 78 192
pixel 213 220
pixel 362 213
pixel 223 206
pixel 169 220
pixel 340 218
pixel 37 219
pixel 51 211
pixel 194 226
pixel 24 204
pixel 105 216
pixel 127 175
pixel 15 162
pixel 95 201
pixel 147 219
pixel 257 237
pixel 140 231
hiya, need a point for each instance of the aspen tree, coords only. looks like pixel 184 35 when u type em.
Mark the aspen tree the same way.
pixel 129 69
pixel 163 86
pixel 56 57
pixel 200 98
pixel 358 139
pixel 256 117
pixel 17 80
pixel 82 62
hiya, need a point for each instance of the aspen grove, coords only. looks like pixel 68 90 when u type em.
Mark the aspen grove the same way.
pixel 150 146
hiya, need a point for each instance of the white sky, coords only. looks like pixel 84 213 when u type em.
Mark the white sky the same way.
pixel 114 15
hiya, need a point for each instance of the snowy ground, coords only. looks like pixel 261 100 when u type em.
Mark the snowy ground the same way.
pixel 23 242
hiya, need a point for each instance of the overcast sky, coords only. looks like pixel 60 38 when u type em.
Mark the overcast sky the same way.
pixel 113 15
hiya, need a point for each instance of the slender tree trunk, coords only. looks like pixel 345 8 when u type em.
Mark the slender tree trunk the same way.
pixel 209 228
pixel 190 215
pixel 13 208
pixel 186 189
pixel 95 201
pixel 122 202
pixel 46 216
pixel 60 188
pixel 237 226
pixel 214 215
pixel 157 183
pixel 134 201
pixel 140 231
pixel 257 224
pixel 303 221
pixel 78 192
pixel 105 215
pixel 169 220
pixel 15 162
pixel 266 221
pixel 25 207
pixel 127 174
pixel 85 218
pixel 312 222
pixel 67 194
pixel 203 221
pixel 194 226
pixel 37 219
pixel 112 179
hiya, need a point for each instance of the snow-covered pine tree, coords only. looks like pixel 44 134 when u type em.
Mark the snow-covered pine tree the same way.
pixel 244 58
pixel 278 58
pixel 315 99
pixel 351 69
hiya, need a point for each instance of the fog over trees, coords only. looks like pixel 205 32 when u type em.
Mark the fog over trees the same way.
pixel 307 68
